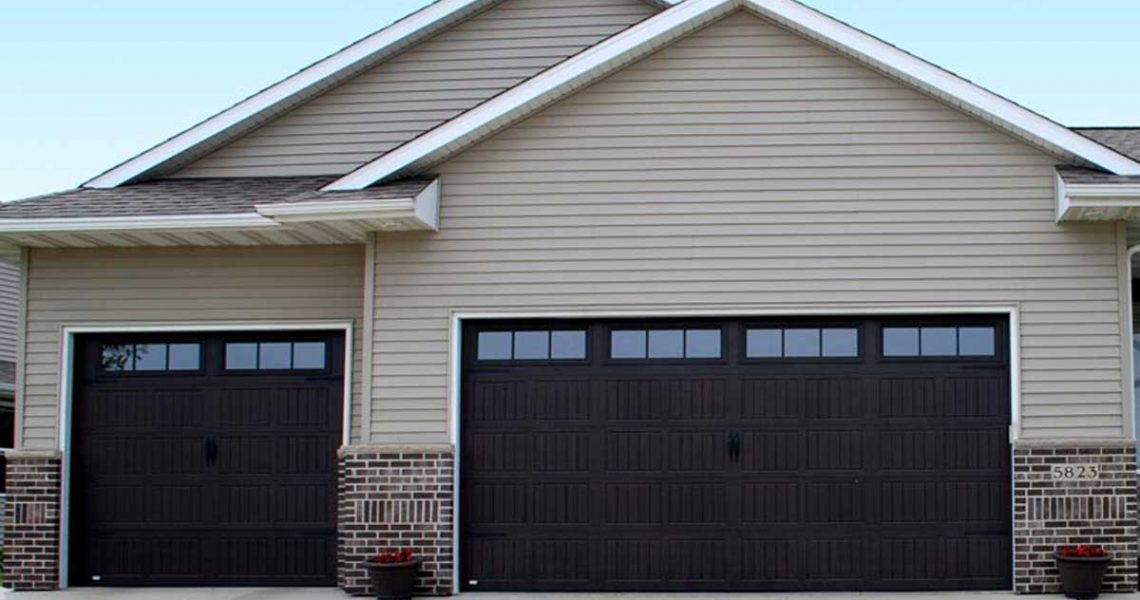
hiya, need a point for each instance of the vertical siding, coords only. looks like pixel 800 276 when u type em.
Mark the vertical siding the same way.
pixel 207 285
pixel 744 169
pixel 422 87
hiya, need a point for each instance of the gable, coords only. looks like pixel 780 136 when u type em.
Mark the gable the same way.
pixel 421 88
pixel 740 96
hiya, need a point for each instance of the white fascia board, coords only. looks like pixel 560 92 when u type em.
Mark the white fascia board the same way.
pixel 538 92
pixel 391 39
pixel 156 223
pixel 1030 125
pixel 423 207
pixel 1108 201
pixel 566 77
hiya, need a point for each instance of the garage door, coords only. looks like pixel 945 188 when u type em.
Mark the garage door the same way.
pixel 736 455
pixel 206 459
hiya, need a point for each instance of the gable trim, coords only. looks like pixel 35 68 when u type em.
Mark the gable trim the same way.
pixel 295 89
pixel 637 42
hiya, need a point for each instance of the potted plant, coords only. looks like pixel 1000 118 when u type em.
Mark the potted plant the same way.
pixel 393 574
pixel 1082 570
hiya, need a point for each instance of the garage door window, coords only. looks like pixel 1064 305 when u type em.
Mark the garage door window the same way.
pixel 838 342
pixel 641 344
pixel 131 358
pixel 531 345
pixel 275 356
pixel 939 342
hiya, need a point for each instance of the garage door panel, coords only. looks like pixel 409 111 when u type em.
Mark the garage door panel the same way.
pixel 208 476
pixel 732 474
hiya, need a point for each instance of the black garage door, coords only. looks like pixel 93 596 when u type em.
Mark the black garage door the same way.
pixel 736 455
pixel 206 459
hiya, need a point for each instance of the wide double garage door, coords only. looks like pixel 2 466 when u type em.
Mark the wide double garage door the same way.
pixel 205 459
pixel 839 454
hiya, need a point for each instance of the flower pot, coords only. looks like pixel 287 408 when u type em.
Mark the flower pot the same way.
pixel 1081 577
pixel 393 581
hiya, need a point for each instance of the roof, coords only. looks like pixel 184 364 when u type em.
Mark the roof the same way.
pixel 295 90
pixel 1125 140
pixel 176 197
pixel 639 41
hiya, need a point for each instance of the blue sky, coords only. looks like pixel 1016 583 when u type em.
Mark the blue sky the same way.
pixel 89 84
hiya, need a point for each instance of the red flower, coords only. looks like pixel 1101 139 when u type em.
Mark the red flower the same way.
pixel 1084 551
pixel 386 557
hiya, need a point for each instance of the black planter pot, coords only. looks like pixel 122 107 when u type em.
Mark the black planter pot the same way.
pixel 1081 577
pixel 393 581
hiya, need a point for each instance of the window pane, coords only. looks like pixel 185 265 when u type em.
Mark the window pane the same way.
pixel 532 345
pixel 627 344
pixel 150 357
pixel 702 343
pixel 568 345
pixel 841 343
pixel 118 358
pixel 185 357
pixel 241 356
pixel 765 343
pixel 939 341
pixel 309 355
pixel 976 341
pixel 495 345
pixel 667 344
pixel 900 341
pixel 275 355
pixel 801 342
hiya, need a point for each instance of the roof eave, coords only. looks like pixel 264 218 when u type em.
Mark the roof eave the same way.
pixel 1097 202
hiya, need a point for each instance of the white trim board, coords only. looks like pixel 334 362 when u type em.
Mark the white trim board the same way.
pixel 639 41
pixel 67 359
pixel 295 89
pixel 459 318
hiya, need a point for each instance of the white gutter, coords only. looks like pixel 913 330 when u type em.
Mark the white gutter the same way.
pixel 149 223
pixel 1096 202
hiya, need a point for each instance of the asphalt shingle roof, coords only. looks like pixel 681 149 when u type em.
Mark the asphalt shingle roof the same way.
pixel 174 197
pixel 1124 140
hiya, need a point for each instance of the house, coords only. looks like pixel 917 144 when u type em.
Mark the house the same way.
pixel 587 295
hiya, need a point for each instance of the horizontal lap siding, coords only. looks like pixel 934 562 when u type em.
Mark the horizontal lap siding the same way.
pixel 741 169
pixel 422 87
pixel 140 286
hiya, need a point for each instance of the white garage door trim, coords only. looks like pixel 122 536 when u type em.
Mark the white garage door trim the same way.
pixel 459 318
pixel 67 359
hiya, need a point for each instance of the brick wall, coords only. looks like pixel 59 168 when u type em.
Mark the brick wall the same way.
pixel 31 521
pixel 1051 512
pixel 395 497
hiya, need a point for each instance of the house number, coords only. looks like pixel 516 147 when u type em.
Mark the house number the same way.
pixel 1075 472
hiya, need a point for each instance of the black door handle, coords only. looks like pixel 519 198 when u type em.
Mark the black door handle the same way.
pixel 734 445
pixel 211 450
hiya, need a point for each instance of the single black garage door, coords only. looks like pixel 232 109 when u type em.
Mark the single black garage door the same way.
pixel 206 459
pixel 840 454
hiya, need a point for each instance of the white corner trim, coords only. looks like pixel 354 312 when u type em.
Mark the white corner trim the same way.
pixel 393 38
pixel 566 77
pixel 138 223
pixel 539 91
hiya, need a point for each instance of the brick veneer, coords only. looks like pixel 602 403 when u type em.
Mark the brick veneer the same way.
pixel 1049 513
pixel 31 521
pixel 392 497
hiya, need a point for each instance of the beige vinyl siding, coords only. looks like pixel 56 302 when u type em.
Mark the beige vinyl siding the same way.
pixel 10 287
pixel 745 169
pixel 422 87
pixel 199 285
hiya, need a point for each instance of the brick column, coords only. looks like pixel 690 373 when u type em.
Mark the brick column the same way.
pixel 1055 510
pixel 31 521
pixel 395 497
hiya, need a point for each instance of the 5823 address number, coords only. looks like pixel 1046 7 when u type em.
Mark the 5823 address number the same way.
pixel 1075 472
